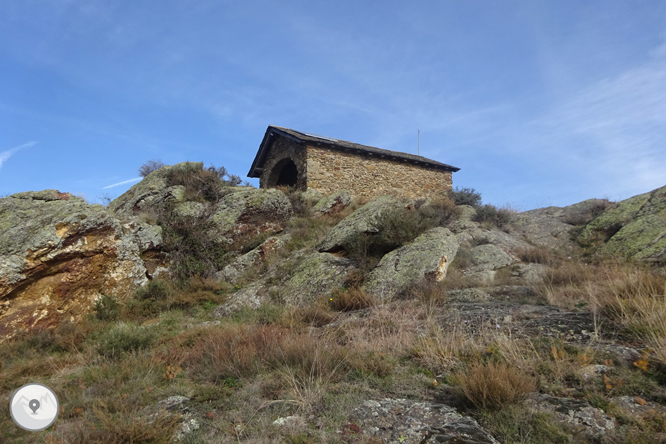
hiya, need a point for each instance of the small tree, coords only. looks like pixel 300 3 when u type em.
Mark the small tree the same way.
pixel 150 166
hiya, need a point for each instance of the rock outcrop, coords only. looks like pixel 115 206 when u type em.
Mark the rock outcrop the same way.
pixel 367 219
pixel 245 212
pixel 58 255
pixel 425 258
pixel 151 192
pixel 633 228
pixel 251 260
pixel 333 203
pixel 551 227
pixel 404 421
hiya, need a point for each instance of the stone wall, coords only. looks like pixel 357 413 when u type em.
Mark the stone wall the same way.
pixel 282 151
pixel 329 171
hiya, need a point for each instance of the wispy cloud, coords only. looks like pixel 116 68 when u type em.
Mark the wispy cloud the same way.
pixel 615 128
pixel 10 152
pixel 122 183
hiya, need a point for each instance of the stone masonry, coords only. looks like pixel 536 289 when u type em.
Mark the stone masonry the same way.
pixel 306 161
pixel 329 171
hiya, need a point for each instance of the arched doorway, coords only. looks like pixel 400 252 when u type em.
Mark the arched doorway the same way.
pixel 284 173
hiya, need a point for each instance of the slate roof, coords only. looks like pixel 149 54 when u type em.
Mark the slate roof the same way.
pixel 340 145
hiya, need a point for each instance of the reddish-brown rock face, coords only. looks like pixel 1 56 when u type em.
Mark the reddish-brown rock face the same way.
pixel 58 255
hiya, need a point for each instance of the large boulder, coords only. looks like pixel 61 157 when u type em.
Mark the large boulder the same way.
pixel 245 212
pixel 410 422
pixel 332 204
pixel 486 260
pixel 634 228
pixel 426 257
pixel 58 255
pixel 367 219
pixel 151 192
pixel 478 236
pixel 299 281
pixel 251 260
pixel 551 227
pixel 316 275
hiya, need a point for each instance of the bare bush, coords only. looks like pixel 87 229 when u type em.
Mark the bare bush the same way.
pixel 149 167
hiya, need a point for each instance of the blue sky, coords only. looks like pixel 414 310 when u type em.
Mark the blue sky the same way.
pixel 539 103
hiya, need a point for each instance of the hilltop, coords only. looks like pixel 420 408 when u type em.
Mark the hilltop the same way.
pixel 195 309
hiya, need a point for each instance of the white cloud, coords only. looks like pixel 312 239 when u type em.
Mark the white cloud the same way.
pixel 620 123
pixel 122 183
pixel 10 152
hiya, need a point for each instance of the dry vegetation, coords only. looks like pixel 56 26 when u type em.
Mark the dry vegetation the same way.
pixel 319 362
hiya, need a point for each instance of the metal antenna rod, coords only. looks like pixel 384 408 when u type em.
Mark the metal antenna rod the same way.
pixel 419 142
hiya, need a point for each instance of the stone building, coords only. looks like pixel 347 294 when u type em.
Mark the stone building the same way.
pixel 308 161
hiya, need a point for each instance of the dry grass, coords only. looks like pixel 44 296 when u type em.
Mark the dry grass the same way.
pixel 119 427
pixel 536 255
pixel 350 299
pixel 635 298
pixel 494 386
pixel 565 281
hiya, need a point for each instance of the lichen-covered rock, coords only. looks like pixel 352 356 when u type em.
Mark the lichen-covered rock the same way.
pixel 146 236
pixel 252 296
pixel 589 420
pixel 486 260
pixel 149 241
pixel 468 295
pixel 464 220
pixel 189 209
pixel 333 203
pixel 298 281
pixel 528 273
pixel 367 219
pixel 409 422
pixel 633 228
pixel 315 276
pixel 643 238
pixel 249 212
pixel 59 254
pixel 489 256
pixel 151 192
pixel 311 196
pixel 426 257
pixel 551 226
pixel 252 259
pixel 478 236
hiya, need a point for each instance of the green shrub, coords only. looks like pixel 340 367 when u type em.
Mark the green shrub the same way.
pixel 490 215
pixel 399 226
pixel 442 211
pixel 106 308
pixel 466 196
pixel 156 290
pixel 124 338
pixel 194 244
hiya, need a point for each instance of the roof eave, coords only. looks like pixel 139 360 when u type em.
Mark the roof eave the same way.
pixel 271 132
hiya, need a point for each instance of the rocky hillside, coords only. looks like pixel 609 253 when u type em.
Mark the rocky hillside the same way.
pixel 240 314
